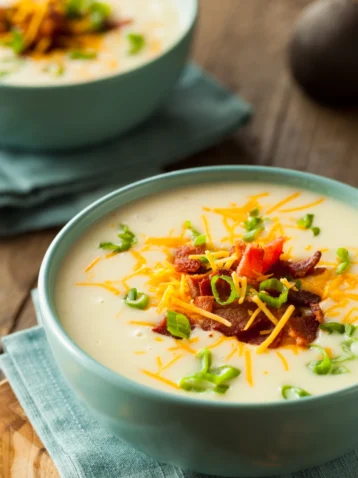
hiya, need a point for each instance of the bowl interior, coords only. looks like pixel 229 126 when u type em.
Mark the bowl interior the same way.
pixel 93 213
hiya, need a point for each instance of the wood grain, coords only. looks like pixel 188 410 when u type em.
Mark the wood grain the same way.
pixel 22 453
pixel 244 44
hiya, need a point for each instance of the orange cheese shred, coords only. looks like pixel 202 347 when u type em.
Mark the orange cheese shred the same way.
pixel 99 284
pixel 161 379
pixel 306 206
pixel 283 360
pixel 289 311
pixel 248 368
pixel 283 202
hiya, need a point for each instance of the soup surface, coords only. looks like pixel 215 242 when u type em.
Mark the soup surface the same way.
pixel 133 32
pixel 219 291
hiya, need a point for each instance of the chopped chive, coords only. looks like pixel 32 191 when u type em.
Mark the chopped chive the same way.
pixel 273 284
pixel 254 212
pixel 127 240
pixel 342 255
pixel 199 239
pixel 137 43
pixel 209 379
pixel 137 300
pixel 293 393
pixel 82 55
pixel 178 324
pixel 16 42
pixel 316 231
pixel 332 327
pixel 306 222
pixel 216 294
pixel 321 367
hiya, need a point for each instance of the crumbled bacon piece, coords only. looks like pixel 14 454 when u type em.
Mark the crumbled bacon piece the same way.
pixel 303 329
pixel 317 312
pixel 272 253
pixel 205 302
pixel 303 297
pixel 183 263
pixel 250 265
pixel 161 328
pixel 205 287
pixel 297 269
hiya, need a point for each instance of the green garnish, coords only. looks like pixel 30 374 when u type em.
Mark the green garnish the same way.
pixel 82 55
pixel 127 240
pixel 178 324
pixel 307 223
pixel 54 69
pixel 199 238
pixel 254 212
pixel 216 294
pixel 253 225
pixel 292 393
pixel 137 43
pixel 347 348
pixel 321 367
pixel 137 300
pixel 273 284
pixel 342 255
pixel 16 42
pixel 99 13
pixel 331 327
pixel 209 379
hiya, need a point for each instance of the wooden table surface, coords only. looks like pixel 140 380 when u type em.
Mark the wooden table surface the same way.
pixel 244 44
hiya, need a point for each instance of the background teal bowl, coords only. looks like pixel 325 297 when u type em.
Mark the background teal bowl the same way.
pixel 246 440
pixel 80 114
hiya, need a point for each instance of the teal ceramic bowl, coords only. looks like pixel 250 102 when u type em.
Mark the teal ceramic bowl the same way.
pixel 81 114
pixel 235 440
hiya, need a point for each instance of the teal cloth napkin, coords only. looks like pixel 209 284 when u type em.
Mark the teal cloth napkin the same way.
pixel 79 446
pixel 42 190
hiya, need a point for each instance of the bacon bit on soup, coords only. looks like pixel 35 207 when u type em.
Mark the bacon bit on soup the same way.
pixel 247 292
pixel 30 26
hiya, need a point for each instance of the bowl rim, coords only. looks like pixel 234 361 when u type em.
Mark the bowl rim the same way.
pixel 51 321
pixel 183 34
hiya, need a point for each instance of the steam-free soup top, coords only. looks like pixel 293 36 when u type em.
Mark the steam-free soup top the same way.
pixel 239 292
pixel 67 41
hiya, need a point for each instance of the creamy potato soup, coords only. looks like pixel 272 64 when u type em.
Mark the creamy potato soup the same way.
pixel 234 292
pixel 58 41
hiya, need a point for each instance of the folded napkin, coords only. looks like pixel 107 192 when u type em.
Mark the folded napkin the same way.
pixel 79 446
pixel 42 190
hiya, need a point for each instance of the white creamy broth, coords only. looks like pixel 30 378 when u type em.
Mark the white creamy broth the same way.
pixel 158 21
pixel 121 338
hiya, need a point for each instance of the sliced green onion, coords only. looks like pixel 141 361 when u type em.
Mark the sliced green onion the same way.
pixel 340 370
pixel 347 348
pixel 82 55
pixel 252 223
pixel 342 255
pixel 137 300
pixel 233 294
pixel 199 238
pixel 206 357
pixel 316 231
pixel 178 324
pixel 321 367
pixel 254 212
pixel 127 240
pixel 349 329
pixel 306 222
pixel 203 260
pixel 137 43
pixel 16 42
pixel 99 13
pixel 293 393
pixel 209 379
pixel 251 235
pixel 331 327
pixel 277 285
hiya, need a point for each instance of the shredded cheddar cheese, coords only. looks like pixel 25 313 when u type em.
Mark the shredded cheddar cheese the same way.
pixel 252 318
pixel 248 368
pixel 169 364
pixel 283 202
pixel 283 360
pixel 289 311
pixel 264 309
pixel 161 379
pixel 202 312
pixel 99 284
pixel 92 264
pixel 306 206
